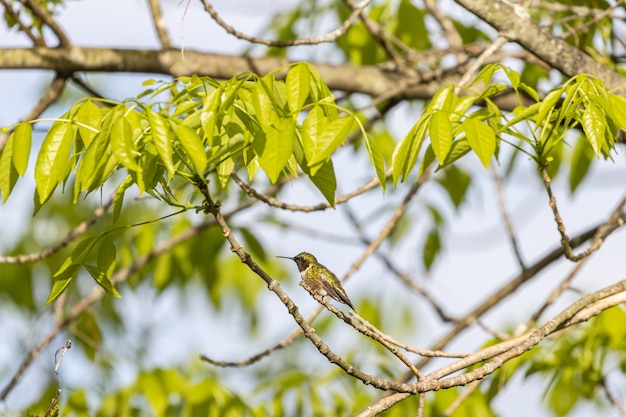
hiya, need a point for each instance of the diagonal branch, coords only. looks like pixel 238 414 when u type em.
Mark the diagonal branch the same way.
pixel 328 37
pixel 41 12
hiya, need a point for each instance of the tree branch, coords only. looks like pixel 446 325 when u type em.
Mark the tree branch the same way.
pixel 514 21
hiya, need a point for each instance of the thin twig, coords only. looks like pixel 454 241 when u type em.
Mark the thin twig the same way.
pixel 41 12
pixel 273 202
pixel 564 285
pixel 328 37
pixel 69 238
pixel 274 286
pixel 406 280
pixel 23 27
pixel 354 267
pixel 470 72
pixel 159 24
pixel 506 218
pixel 460 398
pixel 450 32
pixel 53 409
pixel 614 222
pixel 97 293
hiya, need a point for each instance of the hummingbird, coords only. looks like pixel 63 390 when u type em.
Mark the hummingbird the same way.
pixel 317 279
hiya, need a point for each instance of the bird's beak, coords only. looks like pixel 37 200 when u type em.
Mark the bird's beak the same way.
pixel 284 257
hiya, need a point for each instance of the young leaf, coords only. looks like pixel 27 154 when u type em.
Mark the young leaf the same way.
pixel 22 136
pixel 581 160
pixel 8 173
pixel 440 130
pixel 122 142
pixel 331 136
pixel 326 182
pixel 406 152
pixel 61 281
pixel 377 160
pixel 275 146
pixel 594 124
pixel 192 144
pixel 103 280
pixel 298 86
pixel 162 138
pixel 481 138
pixel 53 159
pixel 88 118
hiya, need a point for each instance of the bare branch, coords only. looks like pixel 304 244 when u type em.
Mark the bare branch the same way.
pixel 615 221
pixel 514 20
pixel 71 236
pixel 274 286
pixel 97 293
pixel 273 202
pixel 328 37
pixel 159 23
pixel 470 72
pixel 508 224
pixel 23 27
pixel 43 14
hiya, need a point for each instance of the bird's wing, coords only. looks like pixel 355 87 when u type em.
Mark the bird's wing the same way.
pixel 338 295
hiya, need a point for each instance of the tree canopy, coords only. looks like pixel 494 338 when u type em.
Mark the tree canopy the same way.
pixel 141 275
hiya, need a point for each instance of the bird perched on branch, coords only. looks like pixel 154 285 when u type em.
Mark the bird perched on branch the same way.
pixel 317 279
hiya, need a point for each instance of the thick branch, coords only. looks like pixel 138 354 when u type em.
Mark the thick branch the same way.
pixel 514 21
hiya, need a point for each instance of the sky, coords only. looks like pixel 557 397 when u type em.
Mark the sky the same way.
pixel 477 226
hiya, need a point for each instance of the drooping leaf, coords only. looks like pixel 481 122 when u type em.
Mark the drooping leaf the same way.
pixel 192 144
pixel 53 158
pixel 406 152
pixel 274 147
pixel 162 137
pixel 440 130
pixel 8 173
pixel 325 181
pixel 22 136
pixel 298 86
pixel 581 160
pixel 481 138
pixel 594 124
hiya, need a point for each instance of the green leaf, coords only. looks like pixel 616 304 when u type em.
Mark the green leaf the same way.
pixel 8 173
pixel 88 118
pixel 103 280
pixel 547 105
pixel 456 183
pixel 298 86
pixel 312 129
pixel 329 138
pixel 377 160
pixel 324 179
pixel 406 152
pixel 594 124
pixel 52 161
pixel 618 103
pixel 118 198
pixel 192 144
pixel 122 141
pixel 22 136
pixel 106 256
pixel 61 280
pixel 481 138
pixel 274 147
pixel 581 160
pixel 432 247
pixel 161 136
pixel 459 149
pixel 440 130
